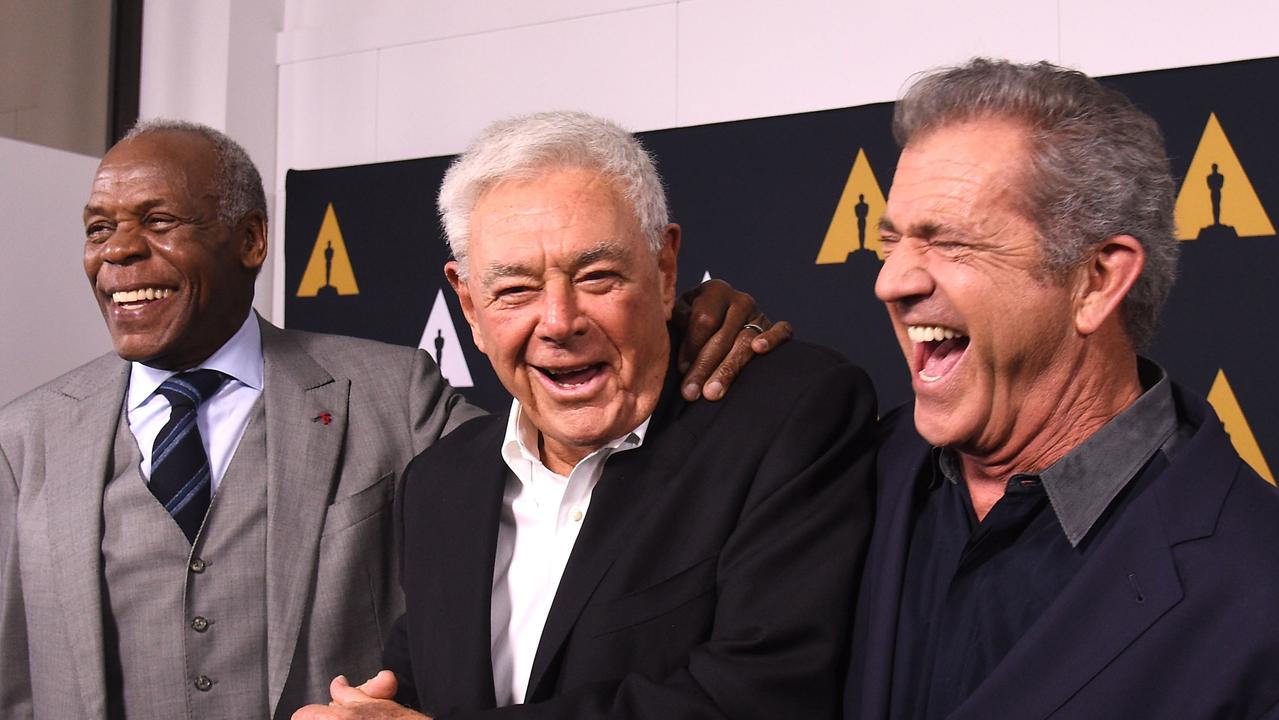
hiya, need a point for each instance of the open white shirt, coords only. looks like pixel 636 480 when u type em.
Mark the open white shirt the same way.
pixel 222 418
pixel 542 513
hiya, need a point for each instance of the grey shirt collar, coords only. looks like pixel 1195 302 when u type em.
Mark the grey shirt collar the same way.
pixel 1083 483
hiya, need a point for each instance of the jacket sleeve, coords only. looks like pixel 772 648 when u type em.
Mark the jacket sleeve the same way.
pixel 434 406
pixel 785 580
pixel 15 671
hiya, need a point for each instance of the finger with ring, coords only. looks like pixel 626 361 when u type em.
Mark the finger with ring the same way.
pixel 753 326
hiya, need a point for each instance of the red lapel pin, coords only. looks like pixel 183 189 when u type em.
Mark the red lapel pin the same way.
pixel 323 418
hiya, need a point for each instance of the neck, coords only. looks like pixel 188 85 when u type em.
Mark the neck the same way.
pixel 560 459
pixel 1051 423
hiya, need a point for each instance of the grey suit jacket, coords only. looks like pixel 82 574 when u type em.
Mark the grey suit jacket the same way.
pixel 344 417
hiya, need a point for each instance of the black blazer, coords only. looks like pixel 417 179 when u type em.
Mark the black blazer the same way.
pixel 1175 614
pixel 712 577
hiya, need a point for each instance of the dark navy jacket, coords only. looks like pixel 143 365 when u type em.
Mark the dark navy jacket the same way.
pixel 1174 615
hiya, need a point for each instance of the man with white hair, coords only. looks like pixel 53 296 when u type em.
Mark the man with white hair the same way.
pixel 605 550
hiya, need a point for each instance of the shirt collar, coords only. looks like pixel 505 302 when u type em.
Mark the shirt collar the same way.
pixel 1084 482
pixel 520 443
pixel 240 357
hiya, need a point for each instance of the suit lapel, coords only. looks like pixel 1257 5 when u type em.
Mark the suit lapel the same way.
pixel 465 549
pixel 1127 584
pixel 89 409
pixel 306 415
pixel 621 500
pixel 903 458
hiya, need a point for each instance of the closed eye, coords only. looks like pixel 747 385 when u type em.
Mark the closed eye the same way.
pixel 950 247
pixel 598 280
pixel 512 294
pixel 160 222
pixel 97 231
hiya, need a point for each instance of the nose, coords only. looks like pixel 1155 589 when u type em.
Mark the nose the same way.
pixel 561 315
pixel 904 274
pixel 126 243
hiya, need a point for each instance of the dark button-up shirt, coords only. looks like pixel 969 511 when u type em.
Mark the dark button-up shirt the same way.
pixel 972 589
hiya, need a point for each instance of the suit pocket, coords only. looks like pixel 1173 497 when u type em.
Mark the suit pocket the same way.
pixel 657 600
pixel 350 510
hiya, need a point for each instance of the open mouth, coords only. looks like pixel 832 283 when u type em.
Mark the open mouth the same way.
pixel 140 296
pixel 937 350
pixel 572 377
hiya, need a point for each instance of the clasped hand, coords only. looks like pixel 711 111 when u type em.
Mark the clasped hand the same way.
pixel 370 701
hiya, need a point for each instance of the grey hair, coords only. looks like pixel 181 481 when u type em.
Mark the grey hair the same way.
pixel 238 183
pixel 523 147
pixel 1098 166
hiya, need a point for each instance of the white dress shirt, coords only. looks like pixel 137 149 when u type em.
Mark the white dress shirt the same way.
pixel 222 418
pixel 542 513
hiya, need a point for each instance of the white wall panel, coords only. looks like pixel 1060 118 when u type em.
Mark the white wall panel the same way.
pixel 184 60
pixel 1103 37
pixel 327 113
pixel 251 80
pixel 752 58
pixel 49 322
pixel 433 97
pixel 320 29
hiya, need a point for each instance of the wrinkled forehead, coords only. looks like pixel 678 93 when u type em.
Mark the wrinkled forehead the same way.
pixel 963 167
pixel 170 166
pixel 562 202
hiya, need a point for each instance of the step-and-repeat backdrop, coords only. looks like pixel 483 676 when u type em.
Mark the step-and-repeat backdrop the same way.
pixel 786 208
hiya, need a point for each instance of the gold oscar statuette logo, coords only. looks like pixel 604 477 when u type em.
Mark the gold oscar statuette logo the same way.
pixel 1217 201
pixel 855 225
pixel 328 272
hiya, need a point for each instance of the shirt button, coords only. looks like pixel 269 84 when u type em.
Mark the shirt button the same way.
pixel 197 566
pixel 199 624
pixel 577 514
pixel 203 683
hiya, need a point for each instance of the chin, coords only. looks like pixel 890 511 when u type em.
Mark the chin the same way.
pixel 153 353
pixel 582 437
pixel 132 353
pixel 938 431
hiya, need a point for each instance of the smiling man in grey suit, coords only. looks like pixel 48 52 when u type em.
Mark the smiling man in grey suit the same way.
pixel 109 610
pixel 119 595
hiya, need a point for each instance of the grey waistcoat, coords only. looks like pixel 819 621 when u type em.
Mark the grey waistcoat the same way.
pixel 185 628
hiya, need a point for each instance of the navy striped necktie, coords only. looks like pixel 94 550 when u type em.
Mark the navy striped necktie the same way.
pixel 180 475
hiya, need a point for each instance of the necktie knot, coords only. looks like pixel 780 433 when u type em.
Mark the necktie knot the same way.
pixel 190 389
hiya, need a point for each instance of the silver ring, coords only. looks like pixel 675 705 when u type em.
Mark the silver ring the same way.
pixel 753 326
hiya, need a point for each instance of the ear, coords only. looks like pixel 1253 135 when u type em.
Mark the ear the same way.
pixel 668 265
pixel 1104 281
pixel 463 291
pixel 251 235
